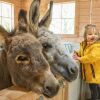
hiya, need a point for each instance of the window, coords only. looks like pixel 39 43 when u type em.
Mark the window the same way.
pixel 6 15
pixel 63 18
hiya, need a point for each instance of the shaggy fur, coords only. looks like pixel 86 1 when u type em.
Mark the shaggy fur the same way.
pixel 61 63
pixel 22 62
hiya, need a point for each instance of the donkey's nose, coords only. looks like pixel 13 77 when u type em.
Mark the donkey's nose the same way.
pixel 73 70
pixel 51 91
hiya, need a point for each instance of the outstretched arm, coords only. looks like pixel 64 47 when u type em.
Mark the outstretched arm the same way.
pixel 93 56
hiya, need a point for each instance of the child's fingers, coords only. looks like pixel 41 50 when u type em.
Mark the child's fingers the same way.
pixel 74 56
pixel 75 52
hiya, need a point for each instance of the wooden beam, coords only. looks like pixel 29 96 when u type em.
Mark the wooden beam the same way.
pixel 17 93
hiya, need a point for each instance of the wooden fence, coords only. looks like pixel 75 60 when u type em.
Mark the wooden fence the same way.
pixel 17 93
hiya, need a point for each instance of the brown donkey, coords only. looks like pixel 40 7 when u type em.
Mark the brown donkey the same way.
pixel 22 62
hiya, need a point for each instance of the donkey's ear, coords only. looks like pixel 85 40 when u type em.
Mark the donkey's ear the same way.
pixel 22 20
pixel 3 32
pixel 5 36
pixel 34 13
pixel 46 20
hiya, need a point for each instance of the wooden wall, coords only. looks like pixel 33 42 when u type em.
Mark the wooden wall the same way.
pixel 18 93
pixel 85 16
pixel 81 19
pixel 43 6
pixel 82 15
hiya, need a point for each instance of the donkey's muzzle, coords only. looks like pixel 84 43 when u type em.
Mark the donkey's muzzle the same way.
pixel 50 91
pixel 71 73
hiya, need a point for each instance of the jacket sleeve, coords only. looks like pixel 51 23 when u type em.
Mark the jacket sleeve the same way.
pixel 93 56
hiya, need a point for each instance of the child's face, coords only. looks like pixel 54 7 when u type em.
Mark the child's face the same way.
pixel 92 35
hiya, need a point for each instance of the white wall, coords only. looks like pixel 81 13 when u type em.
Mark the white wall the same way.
pixel 74 89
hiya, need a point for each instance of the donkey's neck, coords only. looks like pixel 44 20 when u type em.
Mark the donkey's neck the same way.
pixel 5 80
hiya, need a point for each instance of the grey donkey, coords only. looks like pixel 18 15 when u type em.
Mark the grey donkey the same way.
pixel 61 63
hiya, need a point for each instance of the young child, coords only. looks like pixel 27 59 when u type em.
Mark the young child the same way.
pixel 89 57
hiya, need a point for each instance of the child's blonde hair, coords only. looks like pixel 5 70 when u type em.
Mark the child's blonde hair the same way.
pixel 90 26
pixel 87 27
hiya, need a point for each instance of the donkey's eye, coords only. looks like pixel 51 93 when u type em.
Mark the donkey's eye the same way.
pixel 22 59
pixel 47 46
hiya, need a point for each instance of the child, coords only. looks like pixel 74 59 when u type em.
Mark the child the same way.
pixel 89 57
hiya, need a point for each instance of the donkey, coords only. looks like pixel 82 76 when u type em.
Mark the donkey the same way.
pixel 22 62
pixel 61 63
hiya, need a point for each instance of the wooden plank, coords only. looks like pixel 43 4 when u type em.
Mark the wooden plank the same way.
pixel 95 12
pixel 17 93
pixel 29 96
pixel 12 93
pixel 84 19
pixel 84 12
pixel 96 3
pixel 83 0
pixel 84 4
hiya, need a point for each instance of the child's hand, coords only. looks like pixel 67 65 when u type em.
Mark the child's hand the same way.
pixel 75 56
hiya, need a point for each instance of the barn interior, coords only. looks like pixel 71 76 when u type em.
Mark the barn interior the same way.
pixel 69 18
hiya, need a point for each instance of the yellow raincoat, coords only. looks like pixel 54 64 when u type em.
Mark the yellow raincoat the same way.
pixel 90 59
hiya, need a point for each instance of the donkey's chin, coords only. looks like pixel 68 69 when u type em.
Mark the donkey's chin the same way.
pixel 38 90
pixel 50 94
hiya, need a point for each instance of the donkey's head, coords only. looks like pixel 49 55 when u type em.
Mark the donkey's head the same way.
pixel 25 61
pixel 60 62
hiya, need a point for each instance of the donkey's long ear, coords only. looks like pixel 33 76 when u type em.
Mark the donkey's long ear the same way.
pixel 3 32
pixel 22 21
pixel 4 37
pixel 46 20
pixel 34 13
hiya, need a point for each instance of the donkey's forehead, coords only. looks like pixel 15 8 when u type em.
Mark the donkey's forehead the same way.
pixel 25 40
pixel 44 31
pixel 47 36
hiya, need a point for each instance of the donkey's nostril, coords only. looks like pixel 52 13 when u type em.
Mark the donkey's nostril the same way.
pixel 47 88
pixel 73 70
pixel 50 91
